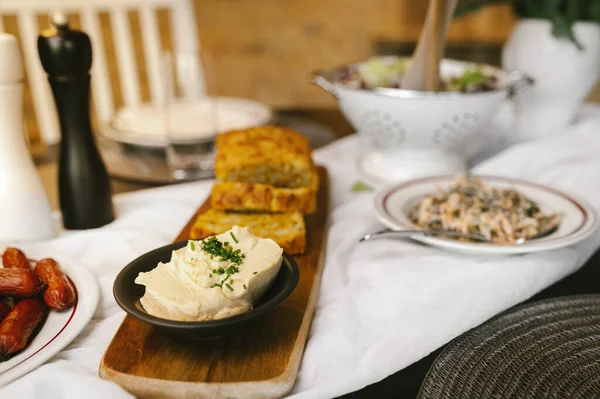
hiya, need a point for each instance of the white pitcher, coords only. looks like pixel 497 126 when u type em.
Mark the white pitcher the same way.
pixel 564 75
pixel 25 213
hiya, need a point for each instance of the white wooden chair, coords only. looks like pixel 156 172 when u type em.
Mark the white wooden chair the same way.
pixel 190 75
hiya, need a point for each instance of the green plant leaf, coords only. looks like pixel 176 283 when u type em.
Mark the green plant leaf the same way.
pixel 465 7
pixel 561 13
pixel 544 9
pixel 563 27
pixel 593 13
pixel 575 9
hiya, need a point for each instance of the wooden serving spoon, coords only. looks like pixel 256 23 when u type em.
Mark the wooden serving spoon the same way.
pixel 423 72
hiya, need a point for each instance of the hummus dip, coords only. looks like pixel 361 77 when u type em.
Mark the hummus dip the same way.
pixel 211 279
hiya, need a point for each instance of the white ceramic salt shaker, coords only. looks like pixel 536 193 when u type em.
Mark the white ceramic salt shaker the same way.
pixel 25 213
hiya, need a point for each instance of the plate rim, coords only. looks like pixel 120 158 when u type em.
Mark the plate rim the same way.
pixel 587 227
pixel 69 331
pixel 122 136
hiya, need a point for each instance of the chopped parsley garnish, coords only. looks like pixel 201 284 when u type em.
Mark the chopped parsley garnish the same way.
pixel 192 245
pixel 232 236
pixel 230 271
pixel 245 287
pixel 255 273
pixel 220 285
pixel 225 252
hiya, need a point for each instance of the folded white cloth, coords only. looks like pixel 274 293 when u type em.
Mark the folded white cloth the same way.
pixel 383 304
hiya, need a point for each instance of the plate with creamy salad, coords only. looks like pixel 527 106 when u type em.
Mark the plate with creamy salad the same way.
pixel 505 211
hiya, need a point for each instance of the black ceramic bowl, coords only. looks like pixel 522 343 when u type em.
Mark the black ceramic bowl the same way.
pixel 128 295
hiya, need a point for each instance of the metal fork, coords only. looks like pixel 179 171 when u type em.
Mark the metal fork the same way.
pixel 428 233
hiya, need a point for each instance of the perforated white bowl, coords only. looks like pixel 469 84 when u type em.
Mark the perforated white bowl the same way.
pixel 410 134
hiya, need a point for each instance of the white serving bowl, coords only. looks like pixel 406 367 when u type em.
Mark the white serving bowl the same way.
pixel 408 134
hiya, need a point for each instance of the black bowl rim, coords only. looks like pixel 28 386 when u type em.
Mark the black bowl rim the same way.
pixel 119 286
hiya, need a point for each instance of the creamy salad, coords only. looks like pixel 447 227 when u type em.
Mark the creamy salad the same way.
pixel 472 207
pixel 214 278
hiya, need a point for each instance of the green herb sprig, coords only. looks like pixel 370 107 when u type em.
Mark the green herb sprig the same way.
pixel 223 251
pixel 230 271
pixel 220 285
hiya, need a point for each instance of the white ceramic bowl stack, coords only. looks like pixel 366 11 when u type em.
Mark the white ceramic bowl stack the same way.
pixel 409 134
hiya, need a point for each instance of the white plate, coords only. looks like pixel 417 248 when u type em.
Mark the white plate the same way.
pixel 189 121
pixel 59 329
pixel 579 219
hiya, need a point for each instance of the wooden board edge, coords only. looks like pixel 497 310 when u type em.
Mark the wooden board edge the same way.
pixel 295 359
pixel 153 388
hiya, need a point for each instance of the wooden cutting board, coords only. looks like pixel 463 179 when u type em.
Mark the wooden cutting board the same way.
pixel 260 361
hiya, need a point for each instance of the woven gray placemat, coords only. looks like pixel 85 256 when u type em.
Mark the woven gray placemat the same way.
pixel 547 349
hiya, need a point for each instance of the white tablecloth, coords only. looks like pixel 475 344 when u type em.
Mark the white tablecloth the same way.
pixel 383 305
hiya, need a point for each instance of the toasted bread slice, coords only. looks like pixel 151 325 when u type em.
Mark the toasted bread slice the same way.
pixel 265 197
pixel 286 229
pixel 265 155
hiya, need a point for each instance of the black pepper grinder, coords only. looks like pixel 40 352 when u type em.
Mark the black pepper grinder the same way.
pixel 84 187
